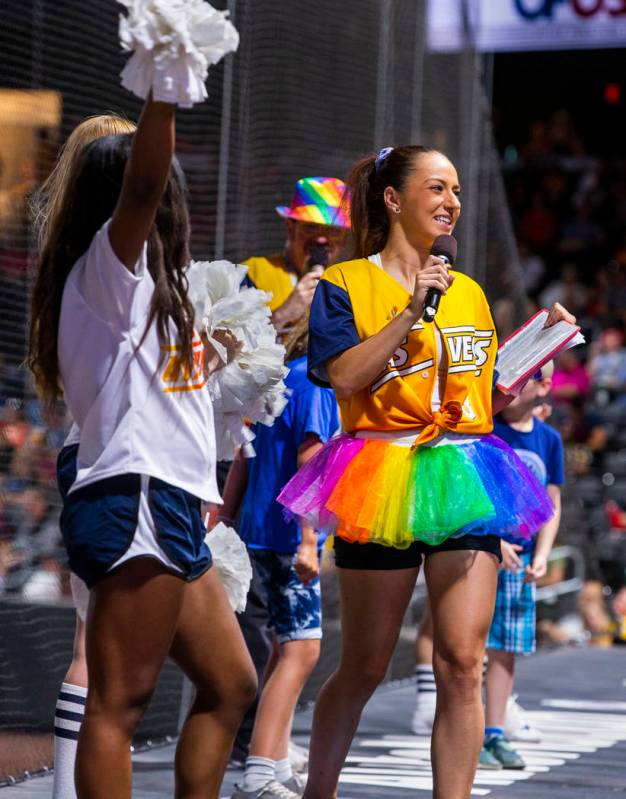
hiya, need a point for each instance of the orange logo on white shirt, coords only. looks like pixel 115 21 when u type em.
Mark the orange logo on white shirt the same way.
pixel 177 376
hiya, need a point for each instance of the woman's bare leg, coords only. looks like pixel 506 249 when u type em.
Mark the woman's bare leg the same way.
pixel 210 649
pixel 373 604
pixel 77 671
pixel 132 619
pixel 462 590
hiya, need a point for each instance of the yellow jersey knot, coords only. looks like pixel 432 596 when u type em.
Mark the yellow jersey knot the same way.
pixel 446 418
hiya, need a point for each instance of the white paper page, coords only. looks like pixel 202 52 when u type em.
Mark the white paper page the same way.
pixel 530 346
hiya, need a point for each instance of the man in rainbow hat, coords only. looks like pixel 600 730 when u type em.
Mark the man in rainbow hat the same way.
pixel 317 222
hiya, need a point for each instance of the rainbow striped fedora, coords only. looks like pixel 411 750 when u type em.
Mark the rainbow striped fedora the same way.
pixel 318 200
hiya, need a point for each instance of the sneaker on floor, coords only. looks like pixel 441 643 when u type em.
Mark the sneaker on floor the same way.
pixel 488 761
pixel 502 750
pixel 296 783
pixel 423 718
pixel 271 790
pixel 516 727
pixel 298 757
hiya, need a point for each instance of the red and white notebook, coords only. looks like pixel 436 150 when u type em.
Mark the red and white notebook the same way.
pixel 529 348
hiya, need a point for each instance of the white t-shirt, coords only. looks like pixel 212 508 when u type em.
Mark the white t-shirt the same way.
pixel 134 417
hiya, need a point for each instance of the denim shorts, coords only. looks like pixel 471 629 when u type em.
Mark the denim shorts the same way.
pixel 294 609
pixel 128 516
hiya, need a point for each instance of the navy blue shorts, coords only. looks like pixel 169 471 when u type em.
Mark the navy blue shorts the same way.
pixel 99 523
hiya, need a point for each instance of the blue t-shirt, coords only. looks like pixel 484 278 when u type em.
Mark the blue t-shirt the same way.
pixel 310 409
pixel 540 449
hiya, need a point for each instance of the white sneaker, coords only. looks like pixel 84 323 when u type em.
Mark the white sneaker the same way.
pixel 272 789
pixel 295 783
pixel 298 757
pixel 423 717
pixel 516 728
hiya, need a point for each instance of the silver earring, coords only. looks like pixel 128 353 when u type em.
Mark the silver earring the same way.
pixel 397 210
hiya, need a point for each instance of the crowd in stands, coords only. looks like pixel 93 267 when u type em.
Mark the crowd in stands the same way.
pixel 569 214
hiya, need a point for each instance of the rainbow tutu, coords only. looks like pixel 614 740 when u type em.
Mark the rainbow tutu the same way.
pixel 374 490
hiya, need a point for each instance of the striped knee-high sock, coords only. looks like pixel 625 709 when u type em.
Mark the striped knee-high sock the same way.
pixel 426 688
pixel 68 718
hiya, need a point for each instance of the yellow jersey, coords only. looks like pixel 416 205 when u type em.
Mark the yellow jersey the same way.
pixel 271 275
pixel 355 300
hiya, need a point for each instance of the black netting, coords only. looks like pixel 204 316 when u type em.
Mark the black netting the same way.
pixel 313 87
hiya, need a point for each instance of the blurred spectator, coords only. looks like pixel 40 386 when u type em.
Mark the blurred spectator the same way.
pixel 581 232
pixel 607 367
pixel 556 191
pixel 562 136
pixel 36 544
pixel 533 267
pixel 584 435
pixel 616 516
pixel 539 225
pixel 570 381
pixel 537 148
pixel 568 290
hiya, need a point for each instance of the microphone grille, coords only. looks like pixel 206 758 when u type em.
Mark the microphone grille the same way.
pixel 445 246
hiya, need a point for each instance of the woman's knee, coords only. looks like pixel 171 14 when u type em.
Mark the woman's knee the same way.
pixel 459 671
pixel 248 688
pixel 122 709
pixel 362 681
pixel 236 691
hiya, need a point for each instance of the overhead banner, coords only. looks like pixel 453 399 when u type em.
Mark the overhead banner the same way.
pixel 509 25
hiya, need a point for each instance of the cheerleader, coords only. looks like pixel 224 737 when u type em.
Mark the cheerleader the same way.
pixel 112 330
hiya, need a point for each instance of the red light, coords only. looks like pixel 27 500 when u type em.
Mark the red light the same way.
pixel 612 93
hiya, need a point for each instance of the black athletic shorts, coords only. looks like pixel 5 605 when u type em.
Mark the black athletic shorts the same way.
pixel 377 556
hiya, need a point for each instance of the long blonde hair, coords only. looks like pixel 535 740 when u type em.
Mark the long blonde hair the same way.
pixel 48 205
pixel 48 201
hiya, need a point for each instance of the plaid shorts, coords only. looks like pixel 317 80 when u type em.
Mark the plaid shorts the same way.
pixel 513 625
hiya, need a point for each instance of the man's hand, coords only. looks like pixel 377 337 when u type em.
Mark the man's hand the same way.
pixel 510 559
pixel 299 301
pixel 307 565
pixel 537 569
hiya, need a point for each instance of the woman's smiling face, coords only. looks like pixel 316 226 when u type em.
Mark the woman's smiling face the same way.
pixel 429 202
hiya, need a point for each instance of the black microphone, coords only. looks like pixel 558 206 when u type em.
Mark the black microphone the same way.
pixel 318 253
pixel 444 247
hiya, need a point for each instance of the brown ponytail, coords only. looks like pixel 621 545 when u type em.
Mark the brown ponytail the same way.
pixel 297 341
pixel 367 182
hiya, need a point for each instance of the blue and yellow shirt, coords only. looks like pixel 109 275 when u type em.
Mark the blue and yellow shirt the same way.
pixel 355 300
pixel 271 275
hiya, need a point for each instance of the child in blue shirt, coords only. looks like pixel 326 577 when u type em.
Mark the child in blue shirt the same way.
pixel 285 558
pixel 523 563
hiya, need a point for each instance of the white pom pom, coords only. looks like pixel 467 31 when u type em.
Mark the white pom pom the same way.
pixel 252 385
pixel 173 44
pixel 231 560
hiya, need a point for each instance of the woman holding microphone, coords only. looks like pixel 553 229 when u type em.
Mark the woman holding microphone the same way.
pixel 418 477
